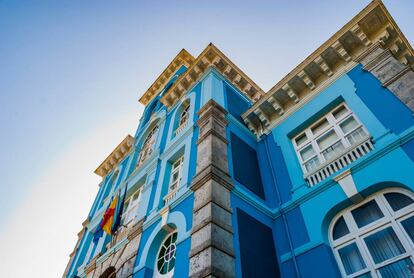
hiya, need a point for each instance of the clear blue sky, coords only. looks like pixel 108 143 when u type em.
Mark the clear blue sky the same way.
pixel 71 73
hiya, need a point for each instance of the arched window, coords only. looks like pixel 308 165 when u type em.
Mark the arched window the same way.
pixel 166 256
pixel 375 238
pixel 182 121
pixel 148 146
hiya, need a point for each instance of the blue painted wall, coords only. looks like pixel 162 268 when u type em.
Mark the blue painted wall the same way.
pixel 270 195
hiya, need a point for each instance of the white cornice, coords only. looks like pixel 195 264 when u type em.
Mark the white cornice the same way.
pixel 373 25
pixel 182 58
pixel 116 156
pixel 211 57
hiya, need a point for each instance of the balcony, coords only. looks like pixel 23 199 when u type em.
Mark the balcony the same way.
pixel 361 147
pixel 170 196
pixel 181 128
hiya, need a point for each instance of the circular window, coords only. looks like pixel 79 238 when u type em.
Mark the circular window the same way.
pixel 166 255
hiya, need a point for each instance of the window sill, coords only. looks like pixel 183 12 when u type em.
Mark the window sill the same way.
pixel 339 162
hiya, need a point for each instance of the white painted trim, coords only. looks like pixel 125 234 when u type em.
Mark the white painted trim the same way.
pixel 333 124
pixel 357 235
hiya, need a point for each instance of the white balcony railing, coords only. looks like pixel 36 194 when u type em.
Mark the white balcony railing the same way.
pixel 181 128
pixel 170 196
pixel 345 158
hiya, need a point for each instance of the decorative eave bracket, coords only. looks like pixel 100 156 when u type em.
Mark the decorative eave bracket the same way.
pixel 340 53
pixel 211 57
pixel 116 156
pixel 182 58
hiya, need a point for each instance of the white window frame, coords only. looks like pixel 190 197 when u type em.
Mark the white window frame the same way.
pixel 185 114
pixel 183 120
pixel 148 146
pixel 130 211
pixel 333 125
pixel 170 273
pixel 390 219
pixel 176 167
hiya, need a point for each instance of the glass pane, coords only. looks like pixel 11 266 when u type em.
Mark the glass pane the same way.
pixel 333 151
pixel 307 153
pixel 338 113
pixel 348 125
pixel 400 269
pixel 173 186
pixel 327 140
pixel 356 136
pixel 366 275
pixel 351 259
pixel 384 245
pixel 367 213
pixel 397 200
pixel 301 139
pixel 135 196
pixel 312 164
pixel 340 229
pixel 320 126
pixel 408 225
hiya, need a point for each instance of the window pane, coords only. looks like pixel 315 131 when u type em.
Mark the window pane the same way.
pixel 366 275
pixel 348 125
pixel 340 229
pixel 327 139
pixel 397 200
pixel 356 136
pixel 338 113
pixel 333 151
pixel 312 164
pixel 301 139
pixel 320 126
pixel 399 269
pixel 367 213
pixel 351 259
pixel 307 153
pixel 384 245
pixel 175 177
pixel 408 225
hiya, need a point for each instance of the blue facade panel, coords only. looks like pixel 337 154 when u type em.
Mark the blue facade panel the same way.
pixel 282 224
pixel 245 166
pixel 257 253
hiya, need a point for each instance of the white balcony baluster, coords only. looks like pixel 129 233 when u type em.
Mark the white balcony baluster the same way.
pixel 345 158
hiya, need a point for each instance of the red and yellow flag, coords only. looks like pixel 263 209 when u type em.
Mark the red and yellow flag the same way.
pixel 108 218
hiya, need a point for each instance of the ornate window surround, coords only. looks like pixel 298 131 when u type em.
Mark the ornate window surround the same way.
pixel 330 143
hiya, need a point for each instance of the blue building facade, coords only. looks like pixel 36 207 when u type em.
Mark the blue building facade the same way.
pixel 314 178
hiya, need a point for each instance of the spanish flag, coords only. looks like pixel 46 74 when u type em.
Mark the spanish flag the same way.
pixel 108 218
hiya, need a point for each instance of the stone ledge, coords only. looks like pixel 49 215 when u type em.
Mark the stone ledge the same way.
pixel 212 172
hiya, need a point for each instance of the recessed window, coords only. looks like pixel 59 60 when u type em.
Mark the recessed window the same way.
pixel 167 255
pixel 301 139
pixel 328 139
pixel 340 229
pixel 148 146
pixel 176 172
pixel 374 239
pixel 183 120
pixel 319 127
pixel 340 112
pixel 367 213
pixel 130 208
pixel 398 201
pixel 351 258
